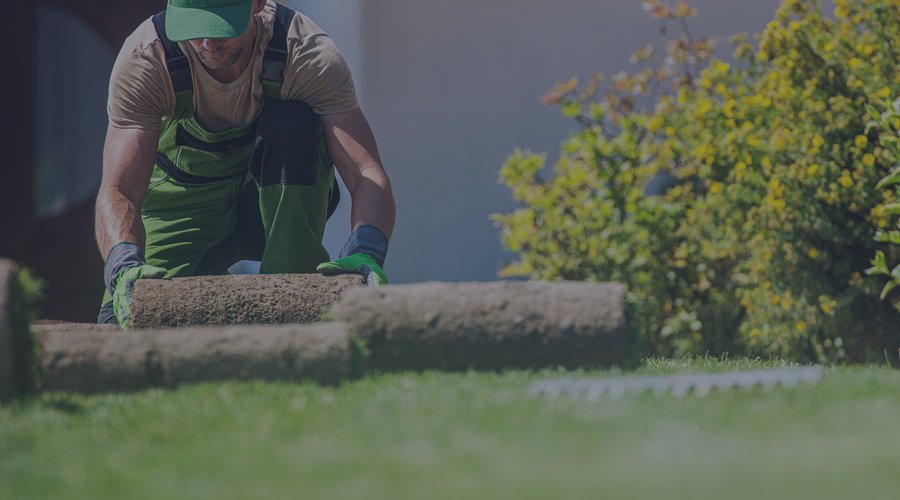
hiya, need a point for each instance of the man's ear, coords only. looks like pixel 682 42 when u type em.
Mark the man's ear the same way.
pixel 258 6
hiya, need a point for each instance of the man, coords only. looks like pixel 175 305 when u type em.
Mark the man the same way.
pixel 226 120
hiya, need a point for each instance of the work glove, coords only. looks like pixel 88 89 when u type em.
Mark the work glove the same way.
pixel 363 254
pixel 125 265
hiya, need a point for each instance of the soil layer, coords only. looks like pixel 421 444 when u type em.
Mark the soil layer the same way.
pixel 236 300
pixel 490 326
pixel 101 360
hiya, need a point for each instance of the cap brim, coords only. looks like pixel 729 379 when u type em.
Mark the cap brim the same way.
pixel 183 23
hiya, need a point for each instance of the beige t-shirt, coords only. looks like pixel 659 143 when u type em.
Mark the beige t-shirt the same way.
pixel 141 94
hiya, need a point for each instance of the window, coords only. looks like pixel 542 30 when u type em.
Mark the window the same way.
pixel 72 75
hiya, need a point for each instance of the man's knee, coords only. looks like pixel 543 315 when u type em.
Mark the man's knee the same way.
pixel 287 145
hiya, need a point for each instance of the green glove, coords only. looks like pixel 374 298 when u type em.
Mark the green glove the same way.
pixel 358 263
pixel 124 284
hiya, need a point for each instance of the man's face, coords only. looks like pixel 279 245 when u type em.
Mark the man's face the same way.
pixel 220 53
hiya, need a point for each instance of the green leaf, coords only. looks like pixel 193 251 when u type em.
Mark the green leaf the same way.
pixel 879 265
pixel 890 180
pixel 571 109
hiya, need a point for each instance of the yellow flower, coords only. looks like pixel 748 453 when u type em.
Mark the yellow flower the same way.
pixel 812 253
pixel 799 326
pixel 861 141
pixel 854 63
pixel 762 56
pixel 754 332
pixel 728 107
pixel 868 159
pixel 883 93
pixel 720 66
pixel 702 108
pixel 845 179
pixel 721 88
pixel 794 25
pixel 829 46
pixel 716 187
pixel 812 169
pixel 818 141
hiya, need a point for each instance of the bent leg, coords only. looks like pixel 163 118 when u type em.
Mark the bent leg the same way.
pixel 295 180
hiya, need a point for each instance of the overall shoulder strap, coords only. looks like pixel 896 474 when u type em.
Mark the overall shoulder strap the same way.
pixel 176 62
pixel 276 53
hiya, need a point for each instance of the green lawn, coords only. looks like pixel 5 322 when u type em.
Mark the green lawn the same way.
pixel 457 437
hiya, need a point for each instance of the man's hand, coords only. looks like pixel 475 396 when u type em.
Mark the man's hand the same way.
pixel 359 263
pixel 363 254
pixel 124 284
pixel 124 265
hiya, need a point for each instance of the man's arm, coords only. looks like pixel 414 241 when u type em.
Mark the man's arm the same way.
pixel 352 147
pixel 128 158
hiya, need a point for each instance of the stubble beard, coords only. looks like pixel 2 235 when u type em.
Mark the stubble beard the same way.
pixel 219 64
pixel 224 58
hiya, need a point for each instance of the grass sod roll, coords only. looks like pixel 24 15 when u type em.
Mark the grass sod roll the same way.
pixel 101 360
pixel 487 326
pixel 236 300
pixel 17 350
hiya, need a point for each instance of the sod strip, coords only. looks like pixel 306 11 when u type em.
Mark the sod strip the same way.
pixel 101 360
pixel 488 326
pixel 236 300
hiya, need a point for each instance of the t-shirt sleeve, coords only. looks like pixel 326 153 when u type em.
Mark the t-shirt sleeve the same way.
pixel 140 94
pixel 317 73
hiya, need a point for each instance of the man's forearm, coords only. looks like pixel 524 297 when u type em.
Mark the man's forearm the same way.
pixel 118 220
pixel 373 201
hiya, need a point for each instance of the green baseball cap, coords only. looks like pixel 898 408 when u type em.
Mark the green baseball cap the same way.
pixel 192 19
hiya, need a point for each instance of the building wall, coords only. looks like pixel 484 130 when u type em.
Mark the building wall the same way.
pixel 451 87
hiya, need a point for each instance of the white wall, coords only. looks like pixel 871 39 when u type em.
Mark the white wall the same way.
pixel 451 87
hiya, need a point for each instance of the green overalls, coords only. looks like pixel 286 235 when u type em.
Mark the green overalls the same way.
pixel 259 192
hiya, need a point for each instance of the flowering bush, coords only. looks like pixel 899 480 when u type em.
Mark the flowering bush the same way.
pixel 767 207
pixel 888 124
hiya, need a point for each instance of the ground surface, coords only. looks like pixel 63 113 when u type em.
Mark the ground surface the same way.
pixel 442 436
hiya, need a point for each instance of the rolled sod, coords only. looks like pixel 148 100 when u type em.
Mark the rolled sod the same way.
pixel 7 277
pixel 488 326
pixel 16 345
pixel 98 359
pixel 236 300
